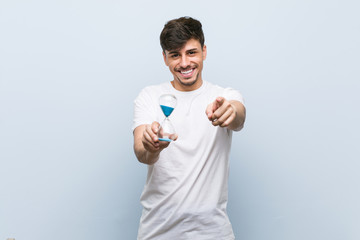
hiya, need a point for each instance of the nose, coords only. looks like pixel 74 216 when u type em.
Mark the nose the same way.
pixel 184 62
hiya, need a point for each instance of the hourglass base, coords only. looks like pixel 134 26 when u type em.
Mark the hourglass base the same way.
pixel 165 139
pixel 166 131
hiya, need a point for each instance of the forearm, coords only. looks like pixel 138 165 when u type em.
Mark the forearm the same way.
pixel 240 114
pixel 148 154
pixel 144 156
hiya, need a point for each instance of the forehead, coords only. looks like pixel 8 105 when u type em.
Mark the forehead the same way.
pixel 190 44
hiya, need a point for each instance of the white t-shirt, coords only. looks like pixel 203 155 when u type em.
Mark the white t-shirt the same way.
pixel 186 190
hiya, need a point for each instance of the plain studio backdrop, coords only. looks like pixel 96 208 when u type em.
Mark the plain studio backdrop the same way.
pixel 70 70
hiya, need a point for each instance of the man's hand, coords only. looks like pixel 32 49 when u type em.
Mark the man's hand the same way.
pixel 147 146
pixel 151 141
pixel 220 112
pixel 224 113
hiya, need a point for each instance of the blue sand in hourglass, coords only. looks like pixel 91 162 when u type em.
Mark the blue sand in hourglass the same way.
pixel 165 139
pixel 166 110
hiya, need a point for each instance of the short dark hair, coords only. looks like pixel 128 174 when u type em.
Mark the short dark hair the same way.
pixel 177 32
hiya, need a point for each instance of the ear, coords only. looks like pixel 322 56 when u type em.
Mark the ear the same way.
pixel 165 59
pixel 204 52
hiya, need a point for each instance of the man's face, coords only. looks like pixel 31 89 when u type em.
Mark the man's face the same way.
pixel 186 65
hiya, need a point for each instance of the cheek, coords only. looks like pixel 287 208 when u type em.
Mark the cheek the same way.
pixel 173 65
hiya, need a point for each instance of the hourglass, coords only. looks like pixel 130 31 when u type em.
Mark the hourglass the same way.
pixel 166 130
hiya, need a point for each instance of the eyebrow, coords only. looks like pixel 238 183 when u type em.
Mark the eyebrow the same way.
pixel 193 49
pixel 177 51
pixel 172 52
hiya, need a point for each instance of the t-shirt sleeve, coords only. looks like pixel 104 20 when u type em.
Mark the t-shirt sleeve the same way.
pixel 232 94
pixel 143 109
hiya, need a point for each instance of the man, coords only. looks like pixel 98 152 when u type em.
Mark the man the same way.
pixel 185 195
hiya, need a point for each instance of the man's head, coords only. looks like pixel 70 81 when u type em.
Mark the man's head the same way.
pixel 178 31
pixel 182 41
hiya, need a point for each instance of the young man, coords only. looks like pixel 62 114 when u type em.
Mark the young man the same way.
pixel 185 195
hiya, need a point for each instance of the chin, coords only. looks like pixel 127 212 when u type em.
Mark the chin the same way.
pixel 188 83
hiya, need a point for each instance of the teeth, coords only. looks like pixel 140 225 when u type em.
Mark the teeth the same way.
pixel 186 72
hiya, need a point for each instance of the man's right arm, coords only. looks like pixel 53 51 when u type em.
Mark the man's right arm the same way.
pixel 147 146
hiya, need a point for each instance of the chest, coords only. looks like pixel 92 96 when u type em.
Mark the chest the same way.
pixel 188 117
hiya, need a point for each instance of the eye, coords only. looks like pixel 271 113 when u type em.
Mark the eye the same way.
pixel 175 55
pixel 192 52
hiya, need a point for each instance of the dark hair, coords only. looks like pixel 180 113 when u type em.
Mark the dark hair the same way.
pixel 177 32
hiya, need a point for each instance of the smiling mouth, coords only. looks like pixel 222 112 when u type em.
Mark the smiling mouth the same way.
pixel 188 73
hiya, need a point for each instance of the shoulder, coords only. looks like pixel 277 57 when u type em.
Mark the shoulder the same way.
pixel 153 90
pixel 227 92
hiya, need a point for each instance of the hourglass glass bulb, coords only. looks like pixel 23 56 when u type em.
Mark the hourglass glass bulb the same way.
pixel 166 130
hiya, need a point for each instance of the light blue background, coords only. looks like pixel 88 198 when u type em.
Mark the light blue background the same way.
pixel 70 70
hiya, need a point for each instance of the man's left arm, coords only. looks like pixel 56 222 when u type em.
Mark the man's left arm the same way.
pixel 226 113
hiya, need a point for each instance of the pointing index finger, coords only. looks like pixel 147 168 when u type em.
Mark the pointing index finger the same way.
pixel 209 111
pixel 220 100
